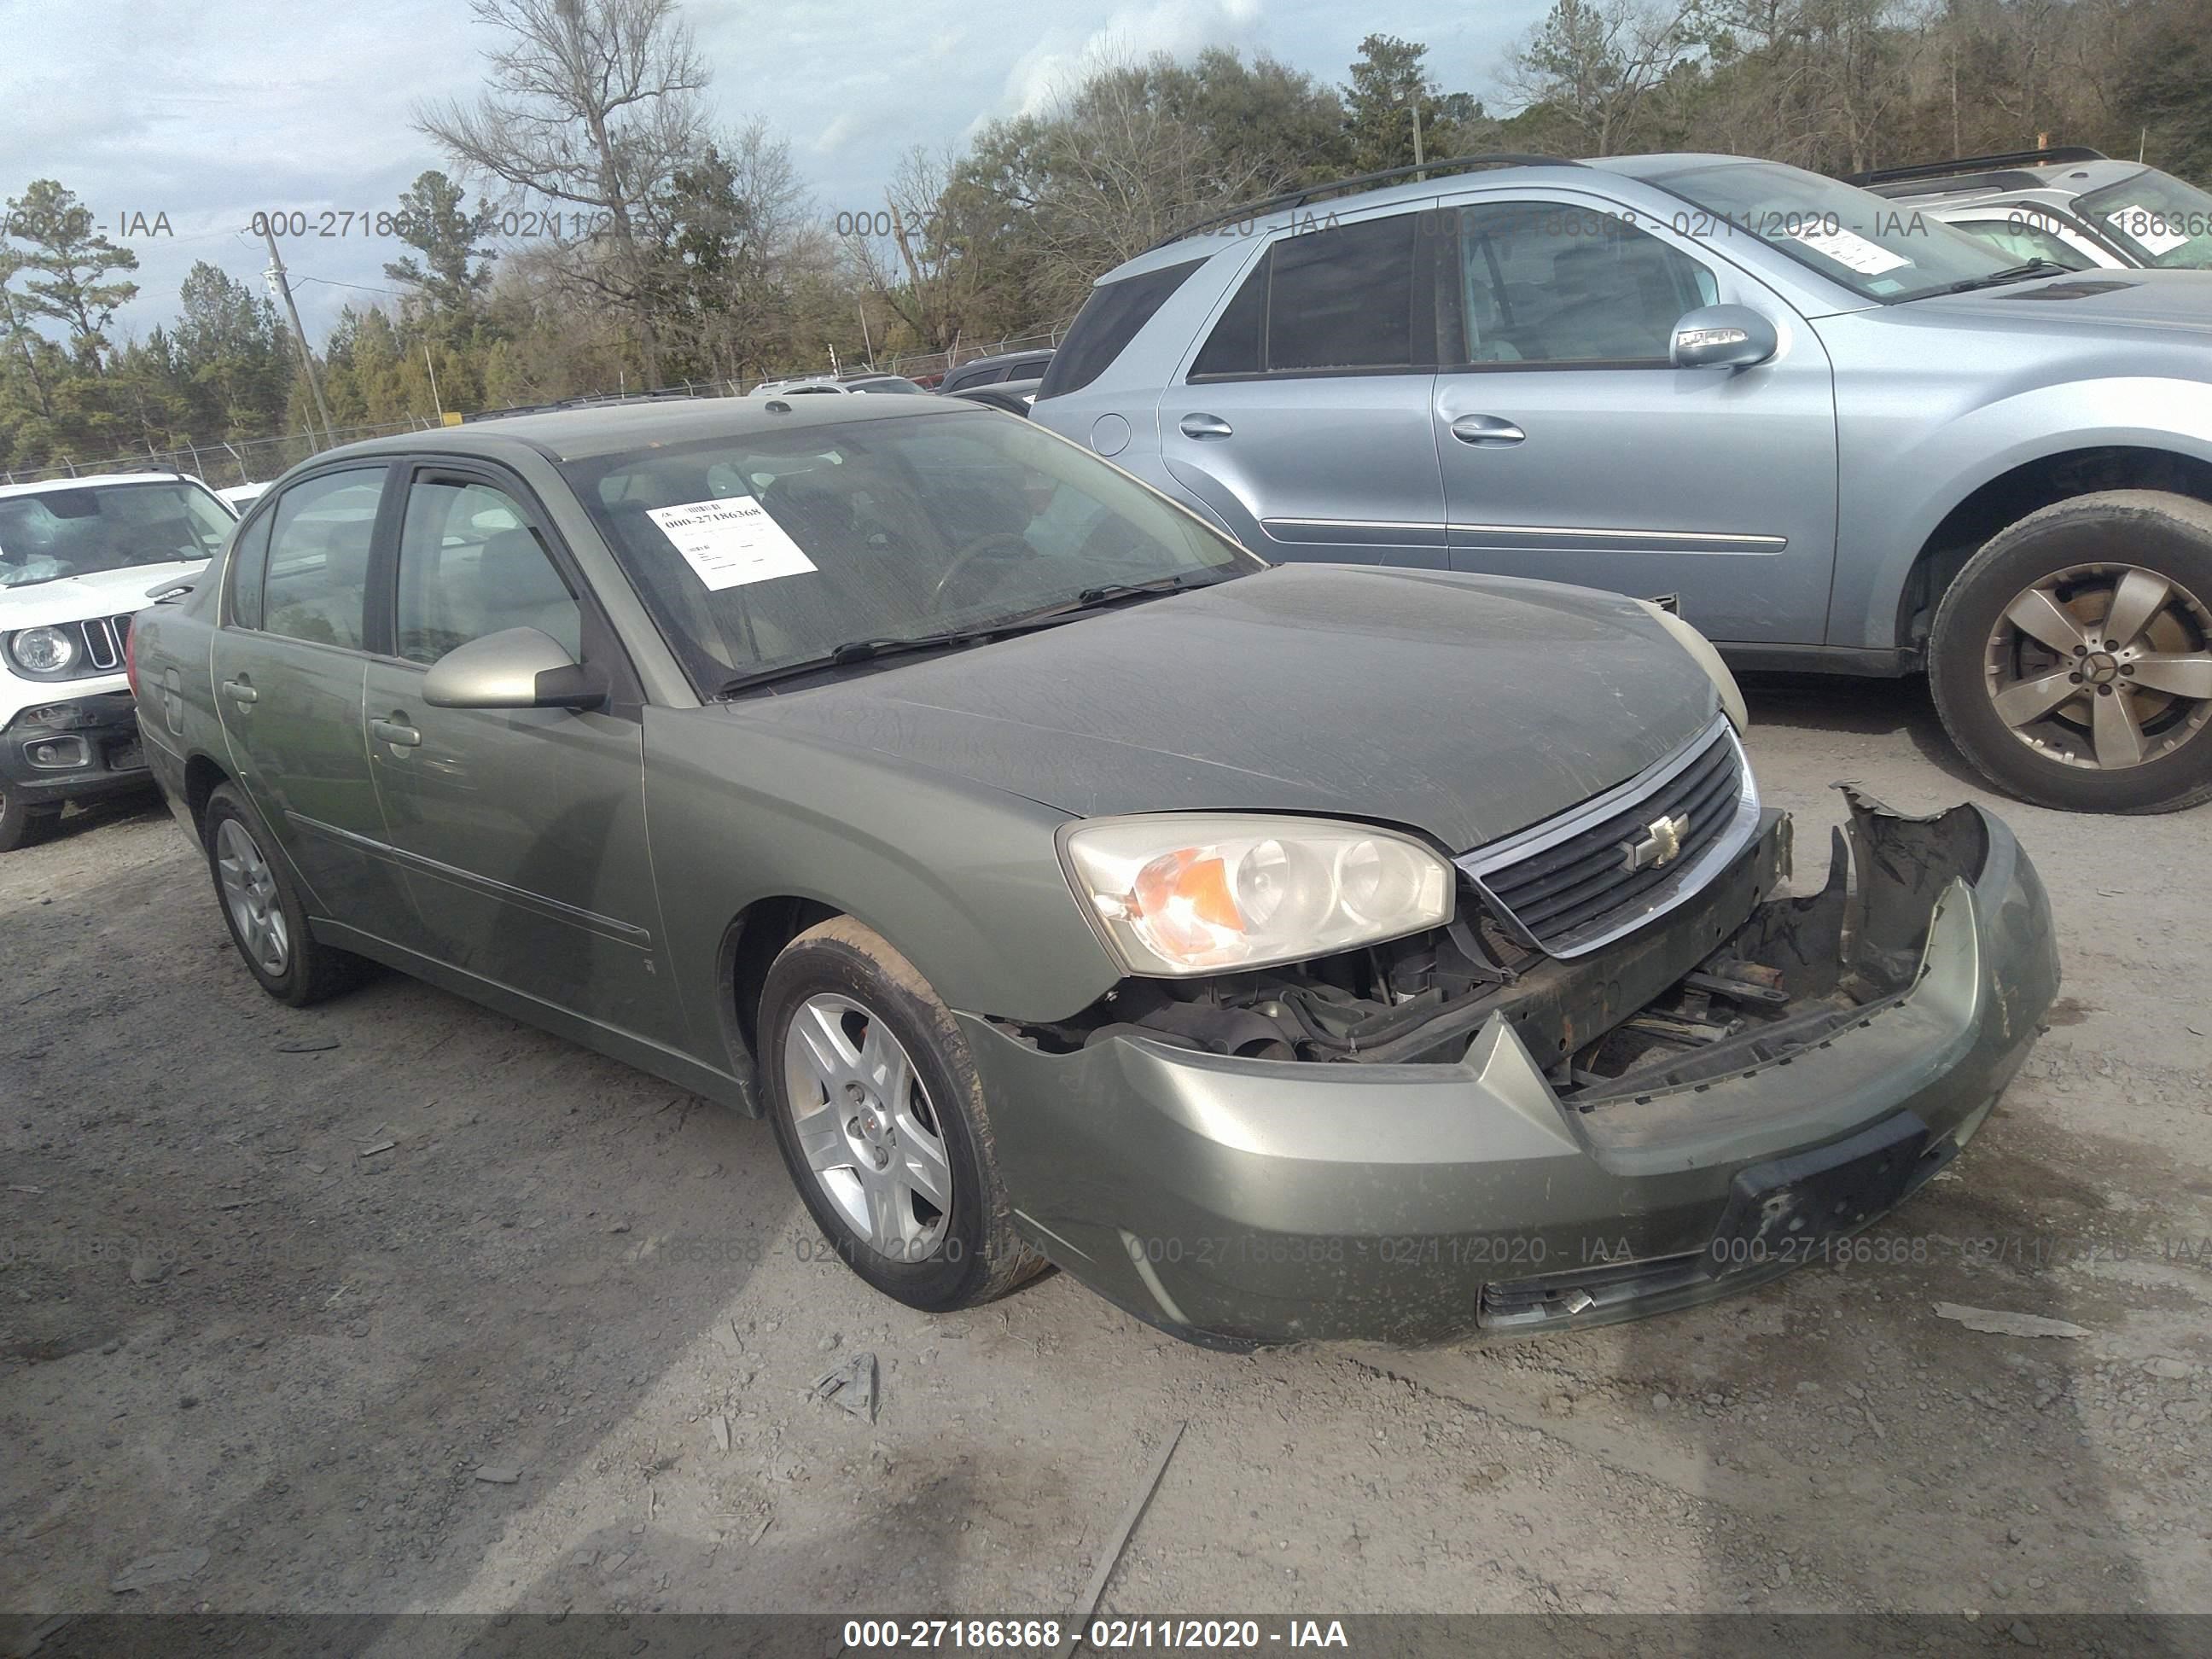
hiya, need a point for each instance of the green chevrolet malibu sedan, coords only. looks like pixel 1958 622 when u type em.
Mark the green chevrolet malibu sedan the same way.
pixel 1284 952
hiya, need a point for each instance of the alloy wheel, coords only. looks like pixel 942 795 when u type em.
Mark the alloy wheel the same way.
pixel 865 1123
pixel 2102 667
pixel 249 890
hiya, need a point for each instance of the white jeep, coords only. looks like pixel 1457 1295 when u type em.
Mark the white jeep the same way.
pixel 77 556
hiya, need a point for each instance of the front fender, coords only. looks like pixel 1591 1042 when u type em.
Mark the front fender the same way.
pixel 963 878
pixel 1898 493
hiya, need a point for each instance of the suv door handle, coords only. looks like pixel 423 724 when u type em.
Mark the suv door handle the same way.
pixel 240 690
pixel 397 733
pixel 1205 426
pixel 1487 431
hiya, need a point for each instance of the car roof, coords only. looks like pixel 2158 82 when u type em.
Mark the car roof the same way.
pixel 996 358
pixel 2076 178
pixel 94 481
pixel 568 435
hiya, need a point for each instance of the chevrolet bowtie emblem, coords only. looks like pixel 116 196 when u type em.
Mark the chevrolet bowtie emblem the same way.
pixel 1660 843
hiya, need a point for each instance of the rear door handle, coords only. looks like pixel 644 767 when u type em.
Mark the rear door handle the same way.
pixel 397 733
pixel 1487 431
pixel 240 690
pixel 1205 426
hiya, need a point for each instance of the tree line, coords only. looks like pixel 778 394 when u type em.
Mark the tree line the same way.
pixel 694 251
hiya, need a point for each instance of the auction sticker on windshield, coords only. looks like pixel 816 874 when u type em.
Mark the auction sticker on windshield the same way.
pixel 731 543
pixel 2147 227
pixel 1849 248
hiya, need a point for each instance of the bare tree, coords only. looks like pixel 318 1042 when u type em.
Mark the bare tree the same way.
pixel 593 104
pixel 1596 62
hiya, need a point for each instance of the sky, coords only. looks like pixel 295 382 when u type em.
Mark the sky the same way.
pixel 205 115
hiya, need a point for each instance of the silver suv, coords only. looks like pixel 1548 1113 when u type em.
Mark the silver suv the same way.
pixel 1838 435
pixel 2074 206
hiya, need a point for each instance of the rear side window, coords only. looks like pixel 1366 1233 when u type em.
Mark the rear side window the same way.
pixel 1348 298
pixel 1110 320
pixel 317 585
pixel 249 560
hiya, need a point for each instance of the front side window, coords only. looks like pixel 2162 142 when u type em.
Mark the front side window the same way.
pixel 1549 282
pixel 470 565
pixel 321 531
pixel 52 533
pixel 769 548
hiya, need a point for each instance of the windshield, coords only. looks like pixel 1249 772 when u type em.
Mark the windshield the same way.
pixel 2156 217
pixel 73 532
pixel 771 547
pixel 1884 249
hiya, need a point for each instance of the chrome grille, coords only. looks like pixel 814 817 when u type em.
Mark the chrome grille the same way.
pixel 1580 880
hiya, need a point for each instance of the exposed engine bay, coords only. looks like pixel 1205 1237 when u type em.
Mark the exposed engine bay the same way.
pixel 1738 976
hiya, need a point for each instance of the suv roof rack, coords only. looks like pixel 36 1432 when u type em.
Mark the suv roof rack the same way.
pixel 1298 199
pixel 2015 158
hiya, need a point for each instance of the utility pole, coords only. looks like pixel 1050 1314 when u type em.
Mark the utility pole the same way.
pixel 1418 158
pixel 435 402
pixel 276 280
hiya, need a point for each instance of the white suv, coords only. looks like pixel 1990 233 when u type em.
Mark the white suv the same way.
pixel 77 556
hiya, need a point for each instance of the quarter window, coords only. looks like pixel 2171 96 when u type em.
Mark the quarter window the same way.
pixel 249 564
pixel 1547 283
pixel 318 575
pixel 470 565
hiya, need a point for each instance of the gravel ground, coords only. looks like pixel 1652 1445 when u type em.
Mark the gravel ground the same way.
pixel 549 1348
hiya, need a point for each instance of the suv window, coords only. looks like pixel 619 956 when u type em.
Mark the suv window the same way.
pixel 1547 283
pixel 470 565
pixel 1110 320
pixel 1342 298
pixel 319 539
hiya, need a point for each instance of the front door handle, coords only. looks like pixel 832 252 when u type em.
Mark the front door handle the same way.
pixel 396 732
pixel 1205 426
pixel 240 690
pixel 1487 431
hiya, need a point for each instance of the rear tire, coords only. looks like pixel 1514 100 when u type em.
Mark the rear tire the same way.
pixel 25 824
pixel 2071 661
pixel 881 1119
pixel 262 909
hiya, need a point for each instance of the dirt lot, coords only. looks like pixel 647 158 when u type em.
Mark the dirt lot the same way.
pixel 227 1324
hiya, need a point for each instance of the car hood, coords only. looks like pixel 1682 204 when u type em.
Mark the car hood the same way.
pixel 96 593
pixel 1466 706
pixel 2177 300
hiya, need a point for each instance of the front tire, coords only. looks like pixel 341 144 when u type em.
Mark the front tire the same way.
pixel 2071 661
pixel 262 909
pixel 23 823
pixel 881 1119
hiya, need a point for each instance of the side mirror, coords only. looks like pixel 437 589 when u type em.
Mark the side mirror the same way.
pixel 1722 336
pixel 517 668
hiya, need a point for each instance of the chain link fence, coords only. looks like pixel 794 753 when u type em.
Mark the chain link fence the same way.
pixel 257 460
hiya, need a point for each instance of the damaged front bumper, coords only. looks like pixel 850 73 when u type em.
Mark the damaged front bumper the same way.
pixel 1236 1200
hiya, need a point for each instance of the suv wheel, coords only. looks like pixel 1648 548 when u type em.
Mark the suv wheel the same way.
pixel 22 821
pixel 267 922
pixel 2072 658
pixel 881 1119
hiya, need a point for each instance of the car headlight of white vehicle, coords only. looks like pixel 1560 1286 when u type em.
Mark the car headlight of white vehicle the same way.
pixel 42 650
pixel 1177 893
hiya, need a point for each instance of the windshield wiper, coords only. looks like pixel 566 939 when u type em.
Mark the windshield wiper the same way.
pixel 860 651
pixel 2009 274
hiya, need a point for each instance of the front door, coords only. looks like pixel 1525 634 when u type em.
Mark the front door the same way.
pixel 521 831
pixel 289 665
pixel 1572 450
pixel 1303 418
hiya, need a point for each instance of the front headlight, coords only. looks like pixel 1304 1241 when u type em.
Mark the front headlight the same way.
pixel 43 650
pixel 1709 660
pixel 1192 893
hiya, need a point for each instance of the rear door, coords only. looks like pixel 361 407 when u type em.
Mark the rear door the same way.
pixel 1572 450
pixel 522 831
pixel 1303 417
pixel 289 664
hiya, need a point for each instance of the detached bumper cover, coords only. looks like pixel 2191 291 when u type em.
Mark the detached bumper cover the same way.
pixel 1241 1201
